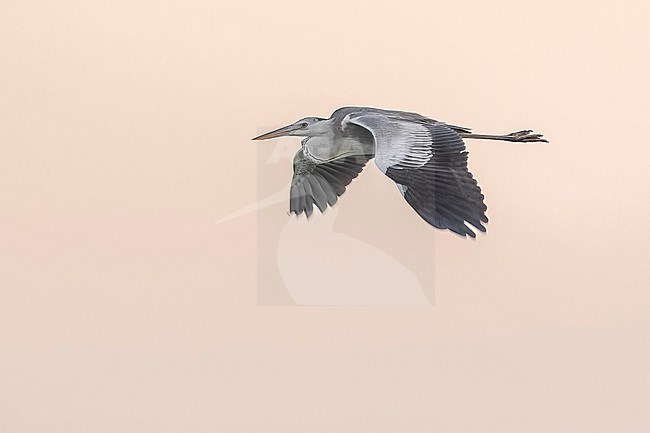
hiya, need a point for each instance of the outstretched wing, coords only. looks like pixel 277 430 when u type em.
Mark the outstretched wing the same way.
pixel 428 161
pixel 321 183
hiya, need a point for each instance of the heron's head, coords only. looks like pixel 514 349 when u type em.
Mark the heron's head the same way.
pixel 307 127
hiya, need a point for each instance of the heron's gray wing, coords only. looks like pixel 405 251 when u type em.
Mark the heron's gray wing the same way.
pixel 428 161
pixel 321 183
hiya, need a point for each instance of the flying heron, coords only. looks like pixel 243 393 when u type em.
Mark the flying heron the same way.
pixel 427 159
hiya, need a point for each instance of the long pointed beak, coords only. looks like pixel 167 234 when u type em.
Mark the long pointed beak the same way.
pixel 281 132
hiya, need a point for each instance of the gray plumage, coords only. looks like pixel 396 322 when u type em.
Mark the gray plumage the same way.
pixel 426 158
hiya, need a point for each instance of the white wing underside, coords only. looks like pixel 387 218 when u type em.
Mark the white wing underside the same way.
pixel 398 143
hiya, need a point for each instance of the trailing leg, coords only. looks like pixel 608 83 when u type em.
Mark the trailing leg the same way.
pixel 525 136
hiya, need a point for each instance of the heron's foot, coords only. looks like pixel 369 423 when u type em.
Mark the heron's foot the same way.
pixel 526 136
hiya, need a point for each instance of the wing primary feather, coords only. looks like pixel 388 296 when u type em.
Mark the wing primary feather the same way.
pixel 327 188
pixel 317 193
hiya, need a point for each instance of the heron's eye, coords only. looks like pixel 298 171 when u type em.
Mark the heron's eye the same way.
pixel 303 125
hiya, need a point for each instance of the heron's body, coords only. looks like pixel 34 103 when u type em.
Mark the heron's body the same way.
pixel 426 158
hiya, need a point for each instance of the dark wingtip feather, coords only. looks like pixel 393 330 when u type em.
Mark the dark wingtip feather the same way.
pixel 443 191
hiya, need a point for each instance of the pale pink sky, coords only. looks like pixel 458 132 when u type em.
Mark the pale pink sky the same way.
pixel 125 134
